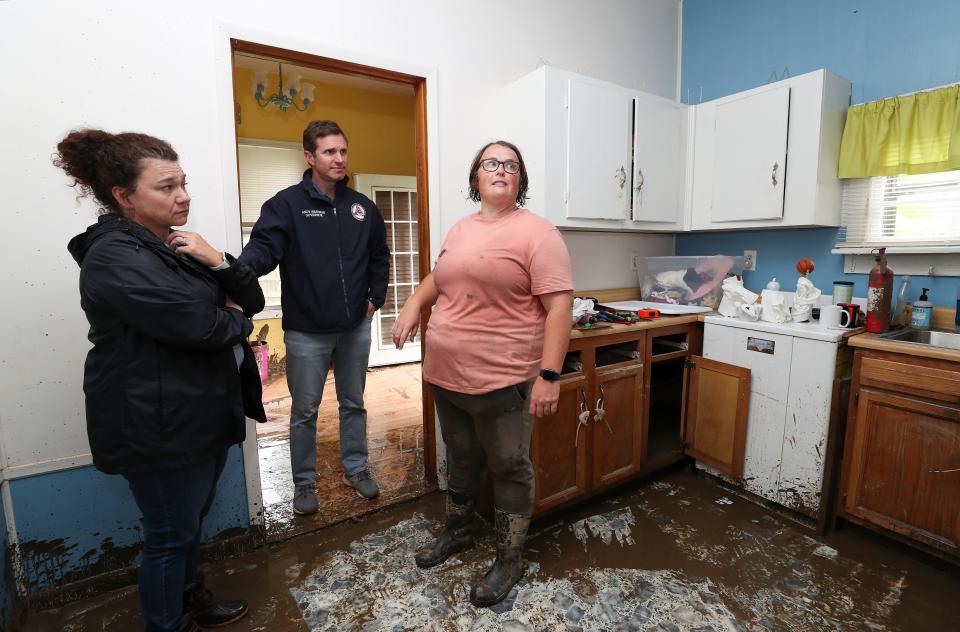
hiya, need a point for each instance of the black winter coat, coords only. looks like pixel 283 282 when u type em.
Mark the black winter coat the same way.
pixel 161 382
pixel 333 256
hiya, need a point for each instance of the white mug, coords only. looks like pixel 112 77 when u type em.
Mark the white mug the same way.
pixel 833 317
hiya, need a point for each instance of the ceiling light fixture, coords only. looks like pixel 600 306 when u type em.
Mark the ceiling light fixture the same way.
pixel 285 96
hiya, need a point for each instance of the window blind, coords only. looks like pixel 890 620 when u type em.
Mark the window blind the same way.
pixel 906 213
pixel 265 170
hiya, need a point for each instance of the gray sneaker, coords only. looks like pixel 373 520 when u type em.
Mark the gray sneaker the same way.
pixel 305 500
pixel 364 484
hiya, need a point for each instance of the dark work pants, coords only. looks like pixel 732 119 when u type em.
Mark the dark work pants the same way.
pixel 174 503
pixel 491 429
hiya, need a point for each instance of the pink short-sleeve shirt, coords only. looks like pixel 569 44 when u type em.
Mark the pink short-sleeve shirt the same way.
pixel 486 330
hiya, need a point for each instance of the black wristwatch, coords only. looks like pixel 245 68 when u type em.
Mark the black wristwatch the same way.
pixel 549 375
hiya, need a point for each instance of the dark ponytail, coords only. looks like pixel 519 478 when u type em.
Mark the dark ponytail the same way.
pixel 98 161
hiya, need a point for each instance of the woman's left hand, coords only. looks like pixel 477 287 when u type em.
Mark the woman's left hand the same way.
pixel 544 397
pixel 194 246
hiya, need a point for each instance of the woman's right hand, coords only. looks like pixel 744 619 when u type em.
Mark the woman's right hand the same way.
pixel 229 302
pixel 407 324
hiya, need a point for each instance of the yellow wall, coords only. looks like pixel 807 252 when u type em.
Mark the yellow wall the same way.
pixel 380 126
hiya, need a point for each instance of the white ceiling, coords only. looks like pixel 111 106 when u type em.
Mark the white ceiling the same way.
pixel 312 75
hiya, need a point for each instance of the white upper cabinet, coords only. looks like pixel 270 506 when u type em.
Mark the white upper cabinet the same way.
pixel 599 156
pixel 749 157
pixel 597 182
pixel 767 157
pixel 659 150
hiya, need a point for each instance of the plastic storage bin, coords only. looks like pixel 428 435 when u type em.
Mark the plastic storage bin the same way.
pixel 686 280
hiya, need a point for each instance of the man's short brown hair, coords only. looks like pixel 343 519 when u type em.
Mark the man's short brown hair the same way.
pixel 319 129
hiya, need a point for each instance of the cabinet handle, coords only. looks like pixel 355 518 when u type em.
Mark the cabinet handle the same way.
pixel 583 419
pixel 600 414
pixel 621 177
pixel 773 176
pixel 639 187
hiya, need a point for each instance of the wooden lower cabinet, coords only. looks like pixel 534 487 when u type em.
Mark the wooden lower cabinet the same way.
pixel 559 448
pixel 901 465
pixel 621 401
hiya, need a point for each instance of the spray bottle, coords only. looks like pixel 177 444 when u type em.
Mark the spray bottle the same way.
pixel 879 295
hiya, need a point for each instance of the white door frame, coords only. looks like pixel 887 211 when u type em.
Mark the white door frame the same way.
pixel 222 67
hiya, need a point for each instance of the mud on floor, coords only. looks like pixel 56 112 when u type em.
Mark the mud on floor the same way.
pixel 676 554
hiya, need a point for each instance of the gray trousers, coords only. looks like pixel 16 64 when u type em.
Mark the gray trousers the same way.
pixel 493 430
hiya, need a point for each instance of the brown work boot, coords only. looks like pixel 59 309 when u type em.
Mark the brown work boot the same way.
pixel 508 568
pixel 456 535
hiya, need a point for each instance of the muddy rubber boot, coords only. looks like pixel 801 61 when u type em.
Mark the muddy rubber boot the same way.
pixel 508 568
pixel 456 535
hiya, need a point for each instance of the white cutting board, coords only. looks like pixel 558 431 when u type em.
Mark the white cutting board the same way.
pixel 665 308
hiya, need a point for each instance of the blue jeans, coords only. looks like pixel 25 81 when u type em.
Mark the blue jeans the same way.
pixel 174 503
pixel 308 361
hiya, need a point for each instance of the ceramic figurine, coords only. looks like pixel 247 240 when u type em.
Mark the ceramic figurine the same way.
pixel 807 296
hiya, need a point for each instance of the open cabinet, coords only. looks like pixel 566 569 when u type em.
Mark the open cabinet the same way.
pixel 634 402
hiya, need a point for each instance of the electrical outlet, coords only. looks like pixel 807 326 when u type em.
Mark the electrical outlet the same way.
pixel 749 260
pixel 635 259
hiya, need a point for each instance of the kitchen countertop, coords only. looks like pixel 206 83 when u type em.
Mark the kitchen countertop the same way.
pixel 615 328
pixel 873 341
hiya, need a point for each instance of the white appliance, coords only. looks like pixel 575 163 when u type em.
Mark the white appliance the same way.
pixel 792 367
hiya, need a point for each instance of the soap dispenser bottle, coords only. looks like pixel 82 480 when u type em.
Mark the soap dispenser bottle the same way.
pixel 922 311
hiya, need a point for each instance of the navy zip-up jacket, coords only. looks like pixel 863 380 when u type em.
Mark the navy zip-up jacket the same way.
pixel 333 256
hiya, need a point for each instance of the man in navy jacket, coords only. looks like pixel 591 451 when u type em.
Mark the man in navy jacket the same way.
pixel 330 244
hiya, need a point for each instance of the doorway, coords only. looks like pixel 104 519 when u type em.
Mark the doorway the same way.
pixel 383 114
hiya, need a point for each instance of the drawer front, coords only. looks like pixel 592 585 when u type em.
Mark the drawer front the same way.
pixel 889 374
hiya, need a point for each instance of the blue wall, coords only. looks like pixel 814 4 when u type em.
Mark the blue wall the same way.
pixel 77 523
pixel 885 47
pixel 8 596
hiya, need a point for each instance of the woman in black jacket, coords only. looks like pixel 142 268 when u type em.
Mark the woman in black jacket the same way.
pixel 170 378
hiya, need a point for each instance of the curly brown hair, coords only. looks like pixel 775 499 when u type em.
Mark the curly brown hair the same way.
pixel 474 175
pixel 98 161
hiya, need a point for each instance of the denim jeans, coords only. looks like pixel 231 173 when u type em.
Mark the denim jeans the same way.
pixel 174 503
pixel 308 360
pixel 493 430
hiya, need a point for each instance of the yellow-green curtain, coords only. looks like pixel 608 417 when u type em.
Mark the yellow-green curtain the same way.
pixel 916 133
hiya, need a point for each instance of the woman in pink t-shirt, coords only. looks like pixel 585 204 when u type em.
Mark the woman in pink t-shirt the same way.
pixel 501 290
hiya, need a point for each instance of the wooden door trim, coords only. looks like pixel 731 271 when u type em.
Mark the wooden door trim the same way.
pixel 423 206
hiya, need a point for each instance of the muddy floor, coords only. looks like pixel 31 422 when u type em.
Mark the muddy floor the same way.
pixel 679 553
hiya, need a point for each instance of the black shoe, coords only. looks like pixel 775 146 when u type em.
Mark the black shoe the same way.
pixel 210 613
pixel 456 535
pixel 508 568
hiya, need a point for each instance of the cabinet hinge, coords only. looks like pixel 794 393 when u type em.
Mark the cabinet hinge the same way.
pixel 688 364
pixel 856 398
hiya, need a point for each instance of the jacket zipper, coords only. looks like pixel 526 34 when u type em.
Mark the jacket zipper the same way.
pixel 343 283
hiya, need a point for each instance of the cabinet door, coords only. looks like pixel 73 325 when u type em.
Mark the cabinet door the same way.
pixel 749 156
pixel 559 446
pixel 658 160
pixel 904 467
pixel 716 397
pixel 599 118
pixel 617 431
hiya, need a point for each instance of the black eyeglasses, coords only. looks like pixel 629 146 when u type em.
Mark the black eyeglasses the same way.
pixel 491 164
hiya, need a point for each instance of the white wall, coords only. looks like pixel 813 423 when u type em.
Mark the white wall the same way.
pixel 160 68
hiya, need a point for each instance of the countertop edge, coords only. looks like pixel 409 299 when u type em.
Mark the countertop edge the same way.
pixel 873 341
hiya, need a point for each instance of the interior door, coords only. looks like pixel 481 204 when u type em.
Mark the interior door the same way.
pixel 750 156
pixel 396 197
pixel 599 165
pixel 716 402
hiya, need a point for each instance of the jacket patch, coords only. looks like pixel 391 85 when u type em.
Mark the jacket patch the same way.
pixel 313 212
pixel 358 212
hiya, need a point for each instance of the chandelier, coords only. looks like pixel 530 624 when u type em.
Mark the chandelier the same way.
pixel 286 95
